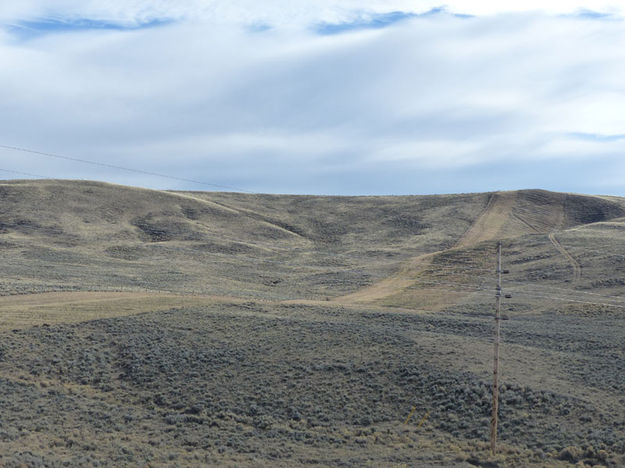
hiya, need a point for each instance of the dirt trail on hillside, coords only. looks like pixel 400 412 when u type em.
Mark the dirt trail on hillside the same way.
pixel 506 214
pixel 391 285
pixel 492 220
pixel 487 226
pixel 577 268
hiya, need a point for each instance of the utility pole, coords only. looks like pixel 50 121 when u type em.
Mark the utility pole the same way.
pixel 493 421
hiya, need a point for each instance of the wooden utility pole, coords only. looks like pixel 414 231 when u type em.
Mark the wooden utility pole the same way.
pixel 493 421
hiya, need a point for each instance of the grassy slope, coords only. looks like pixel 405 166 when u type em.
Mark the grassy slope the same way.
pixel 60 235
pixel 376 257
pixel 537 228
pixel 82 235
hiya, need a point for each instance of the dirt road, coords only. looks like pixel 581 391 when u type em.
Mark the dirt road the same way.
pixel 577 268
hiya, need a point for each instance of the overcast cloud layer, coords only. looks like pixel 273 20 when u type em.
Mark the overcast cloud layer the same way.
pixel 367 97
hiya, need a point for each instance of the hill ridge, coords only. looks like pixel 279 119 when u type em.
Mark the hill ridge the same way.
pixel 94 235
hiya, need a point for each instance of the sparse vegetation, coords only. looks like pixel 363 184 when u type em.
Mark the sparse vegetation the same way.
pixel 142 327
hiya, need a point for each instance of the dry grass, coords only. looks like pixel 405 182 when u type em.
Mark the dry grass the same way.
pixel 343 308
pixel 30 310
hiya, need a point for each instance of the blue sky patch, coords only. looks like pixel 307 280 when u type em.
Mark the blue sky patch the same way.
pixel 378 21
pixel 593 15
pixel 40 27
pixel 597 136
pixel 259 27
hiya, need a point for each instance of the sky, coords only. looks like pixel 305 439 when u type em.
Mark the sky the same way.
pixel 316 97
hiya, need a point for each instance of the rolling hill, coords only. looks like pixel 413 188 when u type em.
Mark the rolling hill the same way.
pixel 282 330
pixel 64 235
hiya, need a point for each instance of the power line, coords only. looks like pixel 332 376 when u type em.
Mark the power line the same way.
pixel 22 173
pixel 455 269
pixel 122 168
pixel 493 422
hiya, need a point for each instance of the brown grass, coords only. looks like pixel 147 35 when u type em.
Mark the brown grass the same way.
pixel 279 282
pixel 24 311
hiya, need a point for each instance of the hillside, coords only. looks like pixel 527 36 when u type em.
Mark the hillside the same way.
pixel 62 235
pixel 203 328
pixel 109 236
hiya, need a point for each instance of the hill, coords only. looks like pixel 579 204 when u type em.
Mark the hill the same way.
pixel 204 328
pixel 217 243
pixel 64 235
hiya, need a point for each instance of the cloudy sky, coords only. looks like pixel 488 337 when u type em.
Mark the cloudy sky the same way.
pixel 323 97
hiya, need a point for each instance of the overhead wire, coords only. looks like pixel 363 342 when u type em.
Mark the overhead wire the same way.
pixel 122 168
pixel 23 173
pixel 432 268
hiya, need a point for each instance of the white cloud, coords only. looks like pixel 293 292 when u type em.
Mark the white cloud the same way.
pixel 287 106
pixel 280 12
pixel 429 154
